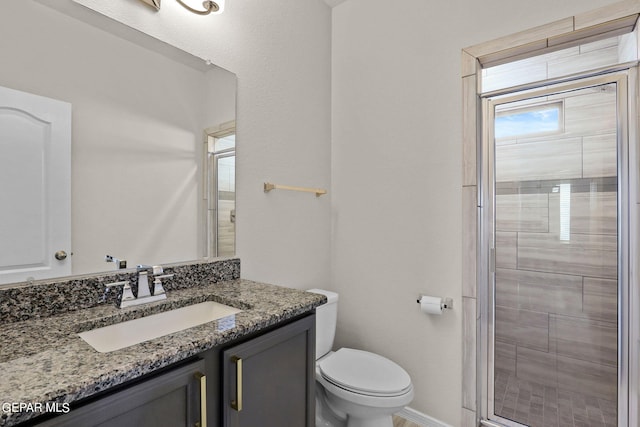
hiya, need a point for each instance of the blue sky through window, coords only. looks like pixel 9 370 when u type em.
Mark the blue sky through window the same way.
pixel 530 121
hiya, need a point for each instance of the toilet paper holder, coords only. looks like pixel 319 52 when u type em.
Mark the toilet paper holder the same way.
pixel 446 303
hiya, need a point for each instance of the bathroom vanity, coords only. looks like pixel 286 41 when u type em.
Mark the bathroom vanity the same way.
pixel 264 379
pixel 255 365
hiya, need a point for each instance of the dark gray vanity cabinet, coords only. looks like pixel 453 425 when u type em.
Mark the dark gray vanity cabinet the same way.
pixel 261 380
pixel 172 398
pixel 269 380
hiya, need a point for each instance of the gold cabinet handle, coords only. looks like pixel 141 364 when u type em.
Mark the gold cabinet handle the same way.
pixel 203 399
pixel 237 404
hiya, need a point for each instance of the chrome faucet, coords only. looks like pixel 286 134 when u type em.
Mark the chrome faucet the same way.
pixel 143 281
pixel 144 291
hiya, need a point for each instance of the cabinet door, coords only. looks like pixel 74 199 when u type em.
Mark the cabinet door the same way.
pixel 171 399
pixel 269 380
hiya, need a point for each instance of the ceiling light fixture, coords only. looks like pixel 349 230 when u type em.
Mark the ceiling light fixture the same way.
pixel 215 7
pixel 153 3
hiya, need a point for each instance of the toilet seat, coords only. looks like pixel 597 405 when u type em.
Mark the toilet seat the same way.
pixel 365 373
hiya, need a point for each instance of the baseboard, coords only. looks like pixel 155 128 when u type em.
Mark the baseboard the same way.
pixel 420 418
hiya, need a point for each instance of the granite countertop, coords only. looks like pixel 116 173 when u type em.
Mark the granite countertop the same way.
pixel 44 360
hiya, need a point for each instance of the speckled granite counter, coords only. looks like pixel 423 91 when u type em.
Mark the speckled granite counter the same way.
pixel 44 360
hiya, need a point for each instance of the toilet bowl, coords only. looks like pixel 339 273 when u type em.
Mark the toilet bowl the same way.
pixel 354 388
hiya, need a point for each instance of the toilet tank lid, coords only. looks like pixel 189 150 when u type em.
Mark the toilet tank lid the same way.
pixel 332 297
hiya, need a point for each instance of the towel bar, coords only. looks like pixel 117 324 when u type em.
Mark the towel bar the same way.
pixel 269 186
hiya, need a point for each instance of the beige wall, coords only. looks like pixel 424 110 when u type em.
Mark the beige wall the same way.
pixel 396 176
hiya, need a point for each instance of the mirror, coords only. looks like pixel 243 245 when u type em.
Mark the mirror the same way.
pixel 143 118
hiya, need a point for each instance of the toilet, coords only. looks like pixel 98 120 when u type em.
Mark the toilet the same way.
pixel 354 388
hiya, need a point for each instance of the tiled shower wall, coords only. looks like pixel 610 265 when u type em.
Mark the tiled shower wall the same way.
pixel 556 298
pixel 597 298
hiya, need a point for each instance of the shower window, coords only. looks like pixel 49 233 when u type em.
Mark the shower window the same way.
pixel 537 120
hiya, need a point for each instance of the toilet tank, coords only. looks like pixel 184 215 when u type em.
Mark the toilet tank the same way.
pixel 326 317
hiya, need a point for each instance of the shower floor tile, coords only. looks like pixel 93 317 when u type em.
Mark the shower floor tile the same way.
pixel 538 405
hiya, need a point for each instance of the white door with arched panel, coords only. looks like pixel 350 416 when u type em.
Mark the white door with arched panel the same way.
pixel 35 187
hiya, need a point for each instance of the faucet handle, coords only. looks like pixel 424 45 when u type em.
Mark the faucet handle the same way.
pixel 111 285
pixel 127 293
pixel 157 283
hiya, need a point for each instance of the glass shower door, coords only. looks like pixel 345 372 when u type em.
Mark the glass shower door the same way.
pixel 554 239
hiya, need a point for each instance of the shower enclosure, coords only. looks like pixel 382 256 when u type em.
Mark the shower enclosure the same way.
pixel 551 215
pixel 220 191
pixel 558 195
pixel 556 228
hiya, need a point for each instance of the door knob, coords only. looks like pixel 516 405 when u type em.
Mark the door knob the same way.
pixel 60 255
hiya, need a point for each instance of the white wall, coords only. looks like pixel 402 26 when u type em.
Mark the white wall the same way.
pixel 396 175
pixel 281 56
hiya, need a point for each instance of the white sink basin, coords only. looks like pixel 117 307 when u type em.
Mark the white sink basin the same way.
pixel 125 334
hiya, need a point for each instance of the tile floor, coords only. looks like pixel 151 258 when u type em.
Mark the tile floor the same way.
pixel 401 422
pixel 537 405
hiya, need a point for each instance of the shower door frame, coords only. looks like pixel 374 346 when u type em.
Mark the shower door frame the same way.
pixel 625 78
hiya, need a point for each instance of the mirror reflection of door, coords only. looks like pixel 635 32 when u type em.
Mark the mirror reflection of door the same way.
pixel 221 194
pixel 35 184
